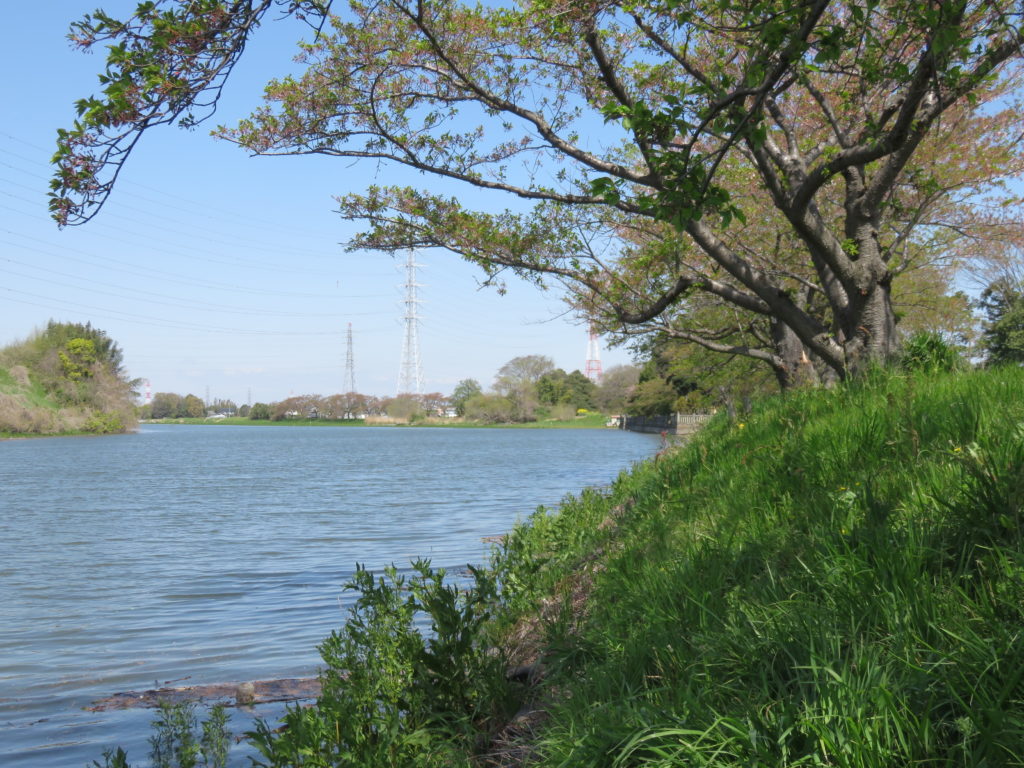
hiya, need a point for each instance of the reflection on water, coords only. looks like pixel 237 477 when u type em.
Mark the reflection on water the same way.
pixel 213 554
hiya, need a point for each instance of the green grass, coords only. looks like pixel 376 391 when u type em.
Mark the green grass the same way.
pixel 21 398
pixel 836 580
pixel 34 394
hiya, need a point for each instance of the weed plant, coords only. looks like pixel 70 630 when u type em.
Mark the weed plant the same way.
pixel 392 694
pixel 179 740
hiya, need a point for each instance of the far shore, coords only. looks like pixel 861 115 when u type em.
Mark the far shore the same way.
pixel 589 421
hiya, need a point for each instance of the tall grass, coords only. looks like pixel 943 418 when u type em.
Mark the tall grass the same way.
pixel 836 580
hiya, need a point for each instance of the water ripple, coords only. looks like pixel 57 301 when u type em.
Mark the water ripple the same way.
pixel 219 554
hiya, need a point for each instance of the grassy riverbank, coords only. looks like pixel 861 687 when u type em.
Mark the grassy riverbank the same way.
pixel 837 579
pixel 65 379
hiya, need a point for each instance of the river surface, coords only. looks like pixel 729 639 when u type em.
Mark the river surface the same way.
pixel 211 554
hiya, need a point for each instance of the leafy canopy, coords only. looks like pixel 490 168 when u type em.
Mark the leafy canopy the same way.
pixel 787 158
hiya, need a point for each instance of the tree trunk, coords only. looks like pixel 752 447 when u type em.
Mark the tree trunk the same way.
pixel 870 326
pixel 796 369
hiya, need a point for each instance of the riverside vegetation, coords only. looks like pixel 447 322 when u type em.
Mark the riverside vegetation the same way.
pixel 582 421
pixel 836 578
pixel 65 379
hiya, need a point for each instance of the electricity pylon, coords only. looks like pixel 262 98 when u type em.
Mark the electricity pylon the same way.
pixel 410 377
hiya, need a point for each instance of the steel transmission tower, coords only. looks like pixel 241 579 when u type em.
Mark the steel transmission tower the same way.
pixel 350 366
pixel 410 377
pixel 593 369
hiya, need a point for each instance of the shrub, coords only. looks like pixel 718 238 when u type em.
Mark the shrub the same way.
pixel 260 412
pixel 491 409
pixel 929 352
pixel 104 423
pixel 393 696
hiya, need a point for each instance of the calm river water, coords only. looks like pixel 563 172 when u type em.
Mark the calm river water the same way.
pixel 208 554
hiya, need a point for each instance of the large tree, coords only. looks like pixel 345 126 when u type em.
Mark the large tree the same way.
pixel 560 388
pixel 828 120
pixel 517 380
pixel 464 390
pixel 617 384
pixel 167 405
pixel 1003 334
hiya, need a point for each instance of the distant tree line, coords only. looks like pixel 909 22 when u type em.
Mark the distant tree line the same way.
pixel 672 377
pixel 531 388
pixel 346 406
pixel 526 388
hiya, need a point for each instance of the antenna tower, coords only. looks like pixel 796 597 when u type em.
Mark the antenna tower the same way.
pixel 593 368
pixel 410 377
pixel 149 392
pixel 350 366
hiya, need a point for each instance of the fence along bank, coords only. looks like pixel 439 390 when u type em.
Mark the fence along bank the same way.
pixel 672 423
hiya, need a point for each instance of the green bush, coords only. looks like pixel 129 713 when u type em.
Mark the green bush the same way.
pixel 393 696
pixel 929 352
pixel 260 412
pixel 104 423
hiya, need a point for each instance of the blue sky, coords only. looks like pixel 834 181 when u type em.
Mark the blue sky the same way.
pixel 220 273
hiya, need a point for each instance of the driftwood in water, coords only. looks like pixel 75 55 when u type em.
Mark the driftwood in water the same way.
pixel 230 694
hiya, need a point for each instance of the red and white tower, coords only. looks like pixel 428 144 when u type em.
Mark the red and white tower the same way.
pixel 593 368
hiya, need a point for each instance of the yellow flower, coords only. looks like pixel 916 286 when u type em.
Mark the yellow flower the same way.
pixel 741 425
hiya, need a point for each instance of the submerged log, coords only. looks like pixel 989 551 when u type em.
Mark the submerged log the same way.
pixel 228 694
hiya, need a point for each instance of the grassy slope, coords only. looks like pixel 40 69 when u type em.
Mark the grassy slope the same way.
pixel 31 395
pixel 837 580
pixel 28 407
pixel 29 411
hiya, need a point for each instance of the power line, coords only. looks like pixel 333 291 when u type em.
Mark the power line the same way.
pixel 147 320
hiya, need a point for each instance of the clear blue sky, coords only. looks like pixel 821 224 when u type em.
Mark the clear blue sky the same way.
pixel 219 273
